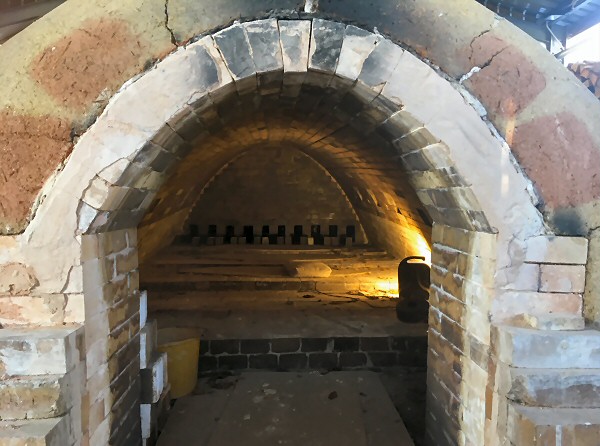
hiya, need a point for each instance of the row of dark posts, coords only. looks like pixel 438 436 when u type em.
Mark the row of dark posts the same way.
pixel 249 233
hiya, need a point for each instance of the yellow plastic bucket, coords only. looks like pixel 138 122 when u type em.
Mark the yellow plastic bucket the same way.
pixel 183 349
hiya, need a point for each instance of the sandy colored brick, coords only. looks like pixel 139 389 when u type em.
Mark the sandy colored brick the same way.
pixel 562 278
pixel 561 250
pixel 510 303
pixel 523 347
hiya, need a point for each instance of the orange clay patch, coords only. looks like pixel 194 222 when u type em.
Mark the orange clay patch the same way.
pixel 77 68
pixel 559 155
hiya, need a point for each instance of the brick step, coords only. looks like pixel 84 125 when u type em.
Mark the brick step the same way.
pixel 255 300
pixel 50 432
pixel 258 301
pixel 560 388
pixel 554 321
pixel 268 267
pixel 545 426
pixel 37 397
pixel 249 284
pixel 334 353
pixel 529 348
pixel 39 351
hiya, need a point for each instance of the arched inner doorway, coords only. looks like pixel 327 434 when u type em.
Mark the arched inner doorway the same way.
pixel 366 81
pixel 241 292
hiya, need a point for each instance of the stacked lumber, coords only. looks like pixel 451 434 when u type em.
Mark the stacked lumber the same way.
pixel 589 74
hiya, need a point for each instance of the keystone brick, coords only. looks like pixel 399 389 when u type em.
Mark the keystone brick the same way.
pixel 325 45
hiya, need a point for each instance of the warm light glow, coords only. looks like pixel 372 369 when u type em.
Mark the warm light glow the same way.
pixel 388 288
pixel 423 248
pixel 380 287
pixel 384 286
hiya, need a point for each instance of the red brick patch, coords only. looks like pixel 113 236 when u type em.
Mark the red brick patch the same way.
pixel 484 48
pixel 508 80
pixel 559 155
pixel 31 148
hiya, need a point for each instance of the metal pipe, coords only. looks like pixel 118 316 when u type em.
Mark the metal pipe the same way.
pixel 556 39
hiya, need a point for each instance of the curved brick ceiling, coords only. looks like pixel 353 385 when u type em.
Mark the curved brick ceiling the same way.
pixel 276 187
pixel 364 80
pixel 337 130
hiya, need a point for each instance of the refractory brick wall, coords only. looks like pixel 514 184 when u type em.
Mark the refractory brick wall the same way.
pixel 275 187
pixel 425 122
pixel 462 278
pixel 347 353
pixel 112 341
pixel 43 111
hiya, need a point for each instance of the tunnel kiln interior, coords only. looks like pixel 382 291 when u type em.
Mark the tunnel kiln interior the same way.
pixel 288 172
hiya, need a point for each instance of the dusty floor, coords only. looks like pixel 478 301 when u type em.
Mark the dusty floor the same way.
pixel 260 314
pixel 407 387
pixel 241 266
pixel 244 292
pixel 294 409
pixel 341 259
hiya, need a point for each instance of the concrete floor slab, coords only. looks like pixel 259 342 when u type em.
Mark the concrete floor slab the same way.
pixel 291 409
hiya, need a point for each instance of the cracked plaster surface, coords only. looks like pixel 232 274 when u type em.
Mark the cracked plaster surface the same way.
pixel 486 65
pixel 173 10
pixel 169 29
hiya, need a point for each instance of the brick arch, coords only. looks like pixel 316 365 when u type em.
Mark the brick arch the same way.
pixel 99 193
pixel 110 179
pixel 359 169
pixel 108 162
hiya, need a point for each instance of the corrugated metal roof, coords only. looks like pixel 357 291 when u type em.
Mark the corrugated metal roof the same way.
pixel 584 16
pixel 572 16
